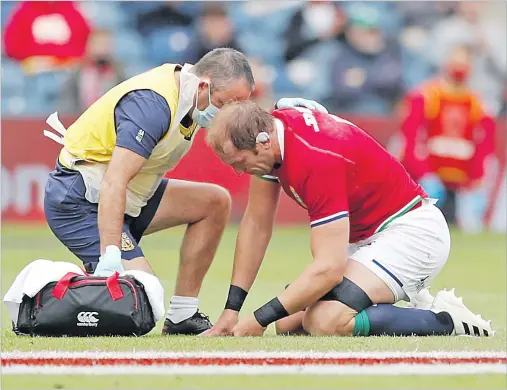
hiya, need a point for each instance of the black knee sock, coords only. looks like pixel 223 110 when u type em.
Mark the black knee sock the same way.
pixel 389 320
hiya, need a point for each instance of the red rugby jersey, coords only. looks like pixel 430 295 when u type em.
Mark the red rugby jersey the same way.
pixel 335 170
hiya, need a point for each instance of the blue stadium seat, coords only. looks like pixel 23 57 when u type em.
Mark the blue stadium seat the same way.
pixel 133 8
pixel 7 8
pixel 135 68
pixel 14 106
pixel 282 85
pixel 191 8
pixel 129 46
pixel 254 32
pixel 43 91
pixel 13 89
pixel 170 44
pixel 104 14
pixel 416 68
pixel 13 77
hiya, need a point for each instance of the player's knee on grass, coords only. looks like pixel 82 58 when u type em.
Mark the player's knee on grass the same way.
pixel 329 318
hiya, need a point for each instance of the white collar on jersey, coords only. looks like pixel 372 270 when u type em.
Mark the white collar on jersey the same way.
pixel 280 133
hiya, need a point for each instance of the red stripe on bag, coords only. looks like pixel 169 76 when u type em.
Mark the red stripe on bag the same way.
pixel 63 285
pixel 113 286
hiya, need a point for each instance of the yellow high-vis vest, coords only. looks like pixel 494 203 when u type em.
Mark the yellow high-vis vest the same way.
pixel 90 140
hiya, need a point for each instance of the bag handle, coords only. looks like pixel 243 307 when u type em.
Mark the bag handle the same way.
pixel 113 286
pixel 63 285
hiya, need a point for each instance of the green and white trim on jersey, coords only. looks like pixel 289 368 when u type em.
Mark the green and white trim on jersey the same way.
pixel 399 213
pixel 331 218
pixel 270 178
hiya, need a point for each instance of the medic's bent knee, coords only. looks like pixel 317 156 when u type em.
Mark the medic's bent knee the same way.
pixel 219 199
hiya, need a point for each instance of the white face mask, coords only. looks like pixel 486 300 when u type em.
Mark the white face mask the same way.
pixel 320 18
pixel 189 85
pixel 204 117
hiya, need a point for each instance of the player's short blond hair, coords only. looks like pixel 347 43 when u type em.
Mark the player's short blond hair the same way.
pixel 241 122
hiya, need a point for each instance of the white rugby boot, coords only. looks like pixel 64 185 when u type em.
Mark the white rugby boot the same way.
pixel 465 322
pixel 422 300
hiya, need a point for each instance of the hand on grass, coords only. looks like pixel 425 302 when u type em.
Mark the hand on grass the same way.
pixel 224 325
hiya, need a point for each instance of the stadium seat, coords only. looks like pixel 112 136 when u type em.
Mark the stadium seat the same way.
pixel 416 68
pixel 133 8
pixel 173 44
pixel 129 47
pixel 134 68
pixel 191 8
pixel 282 84
pixel 43 92
pixel 14 106
pixel 255 30
pixel 6 10
pixel 316 85
pixel 13 77
pixel 104 14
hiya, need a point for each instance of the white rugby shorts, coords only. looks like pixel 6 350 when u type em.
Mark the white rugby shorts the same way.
pixel 409 252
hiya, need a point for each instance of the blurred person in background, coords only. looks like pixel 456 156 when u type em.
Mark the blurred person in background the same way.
pixel 46 35
pixel 94 76
pixel 481 26
pixel 263 93
pixel 418 19
pixel 425 14
pixel 312 41
pixel 155 15
pixel 314 22
pixel 447 139
pixel 367 74
pixel 215 29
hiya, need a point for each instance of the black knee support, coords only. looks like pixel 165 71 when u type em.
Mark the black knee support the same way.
pixel 350 294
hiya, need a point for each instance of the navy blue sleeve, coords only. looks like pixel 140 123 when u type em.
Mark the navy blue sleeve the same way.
pixel 142 118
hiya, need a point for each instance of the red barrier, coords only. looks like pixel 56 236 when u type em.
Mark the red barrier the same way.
pixel 28 157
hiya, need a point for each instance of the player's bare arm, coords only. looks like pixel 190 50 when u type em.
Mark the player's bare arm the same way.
pixel 253 238
pixel 124 165
pixel 329 244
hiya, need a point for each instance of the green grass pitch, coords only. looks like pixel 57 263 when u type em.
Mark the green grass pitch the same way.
pixel 476 268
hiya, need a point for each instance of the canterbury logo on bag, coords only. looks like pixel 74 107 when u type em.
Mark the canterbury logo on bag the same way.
pixel 86 318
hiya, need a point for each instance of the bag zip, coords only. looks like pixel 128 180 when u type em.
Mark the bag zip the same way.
pixel 79 282
pixel 128 282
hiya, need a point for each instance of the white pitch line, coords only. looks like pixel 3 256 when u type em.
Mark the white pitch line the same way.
pixel 398 369
pixel 252 355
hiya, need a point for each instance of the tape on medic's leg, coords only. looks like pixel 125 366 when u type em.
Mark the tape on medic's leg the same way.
pixel 350 294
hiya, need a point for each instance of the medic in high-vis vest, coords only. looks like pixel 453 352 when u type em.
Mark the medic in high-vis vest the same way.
pixel 447 139
pixel 108 189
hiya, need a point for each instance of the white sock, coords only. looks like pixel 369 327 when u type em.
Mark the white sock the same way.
pixel 182 308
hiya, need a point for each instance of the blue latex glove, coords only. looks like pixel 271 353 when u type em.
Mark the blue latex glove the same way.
pixel 434 187
pixel 299 102
pixel 109 262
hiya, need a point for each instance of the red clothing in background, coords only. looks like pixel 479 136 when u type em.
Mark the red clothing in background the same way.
pixel 55 32
pixel 446 132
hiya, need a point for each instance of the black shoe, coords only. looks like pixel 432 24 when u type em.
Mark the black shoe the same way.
pixel 194 325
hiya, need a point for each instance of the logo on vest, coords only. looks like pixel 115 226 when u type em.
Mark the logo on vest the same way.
pixel 86 318
pixel 126 243
pixel 140 135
